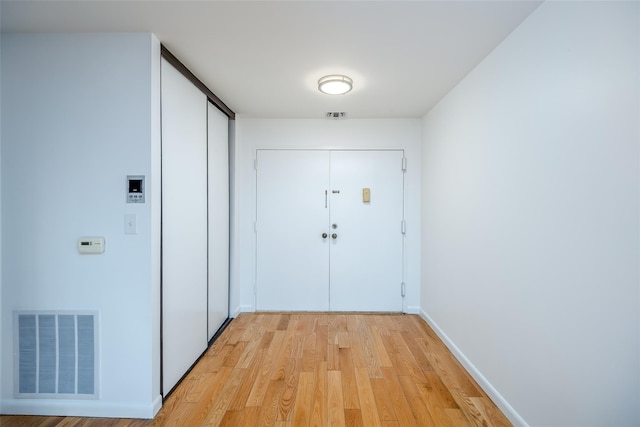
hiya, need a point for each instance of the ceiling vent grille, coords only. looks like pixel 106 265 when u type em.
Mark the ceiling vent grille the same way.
pixel 336 115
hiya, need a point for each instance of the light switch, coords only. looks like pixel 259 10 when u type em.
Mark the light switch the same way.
pixel 366 195
pixel 91 245
pixel 130 226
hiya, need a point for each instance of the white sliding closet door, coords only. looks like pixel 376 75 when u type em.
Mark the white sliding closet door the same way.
pixel 218 141
pixel 184 225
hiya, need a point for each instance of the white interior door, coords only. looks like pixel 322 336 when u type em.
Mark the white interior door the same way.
pixel 218 171
pixel 366 255
pixel 360 269
pixel 184 225
pixel 292 258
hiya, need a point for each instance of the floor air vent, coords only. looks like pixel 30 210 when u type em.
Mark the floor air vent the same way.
pixel 56 355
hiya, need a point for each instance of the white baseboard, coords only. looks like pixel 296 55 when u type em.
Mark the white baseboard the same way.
pixel 412 309
pixel 80 408
pixel 497 398
pixel 243 309
pixel 157 405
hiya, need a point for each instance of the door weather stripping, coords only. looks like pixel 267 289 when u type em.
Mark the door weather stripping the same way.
pixel 402 289
pixel 404 164
pixel 403 227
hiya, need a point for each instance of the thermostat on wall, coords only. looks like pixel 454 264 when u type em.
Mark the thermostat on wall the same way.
pixel 135 188
pixel 91 245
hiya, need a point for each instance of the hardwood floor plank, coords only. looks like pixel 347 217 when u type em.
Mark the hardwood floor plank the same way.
pixel 283 322
pixel 490 412
pixel 349 387
pixel 398 399
pixel 264 375
pixel 246 384
pixel 197 386
pixel 357 352
pixel 383 402
pixel 268 414
pixel 291 379
pixel 353 418
pixel 282 361
pixel 212 363
pixel 418 406
pixel 417 351
pixel 318 369
pixel 368 406
pixel 369 352
pixel 333 356
pixel 217 410
pixel 234 355
pixel 335 404
pixel 406 363
pixel 321 343
pixel 304 396
pixel 379 348
pixel 319 409
pixel 436 388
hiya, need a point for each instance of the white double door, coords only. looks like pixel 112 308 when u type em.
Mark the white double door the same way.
pixel 321 245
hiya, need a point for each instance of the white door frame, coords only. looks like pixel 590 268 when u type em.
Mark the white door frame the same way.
pixel 401 166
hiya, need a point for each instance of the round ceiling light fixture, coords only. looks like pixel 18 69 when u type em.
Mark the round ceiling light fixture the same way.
pixel 335 84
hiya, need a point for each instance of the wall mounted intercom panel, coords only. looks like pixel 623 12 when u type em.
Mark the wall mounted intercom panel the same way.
pixel 135 188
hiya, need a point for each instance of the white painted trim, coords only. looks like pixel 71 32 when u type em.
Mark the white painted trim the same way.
pixel 497 398
pixel 412 309
pixel 157 405
pixel 57 407
pixel 243 309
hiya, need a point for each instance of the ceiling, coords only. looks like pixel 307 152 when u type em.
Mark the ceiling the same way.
pixel 264 58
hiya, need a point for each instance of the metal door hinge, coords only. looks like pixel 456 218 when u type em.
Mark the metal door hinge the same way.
pixel 404 164
pixel 402 289
pixel 403 227
pixel 255 164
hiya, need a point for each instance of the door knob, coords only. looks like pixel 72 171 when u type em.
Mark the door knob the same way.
pixel 324 235
pixel 334 236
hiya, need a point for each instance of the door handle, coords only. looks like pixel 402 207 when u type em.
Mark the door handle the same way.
pixel 324 235
pixel 334 236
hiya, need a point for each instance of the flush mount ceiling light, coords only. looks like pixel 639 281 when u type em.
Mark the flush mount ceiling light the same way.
pixel 335 84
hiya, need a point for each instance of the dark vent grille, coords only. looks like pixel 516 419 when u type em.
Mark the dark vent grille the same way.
pixel 336 115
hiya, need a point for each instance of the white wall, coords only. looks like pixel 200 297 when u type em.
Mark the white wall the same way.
pixel 1 375
pixel 252 134
pixel 530 231
pixel 79 113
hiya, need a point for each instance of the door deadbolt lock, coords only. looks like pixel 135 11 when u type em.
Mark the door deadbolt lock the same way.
pixel 334 236
pixel 324 235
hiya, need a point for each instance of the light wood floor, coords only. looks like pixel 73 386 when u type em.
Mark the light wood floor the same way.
pixel 291 369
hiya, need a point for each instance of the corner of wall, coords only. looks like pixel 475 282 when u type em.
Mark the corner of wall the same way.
pixel 155 201
pixel 495 396
pixel 1 381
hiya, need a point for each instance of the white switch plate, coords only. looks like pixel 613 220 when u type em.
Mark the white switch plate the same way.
pixel 130 226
